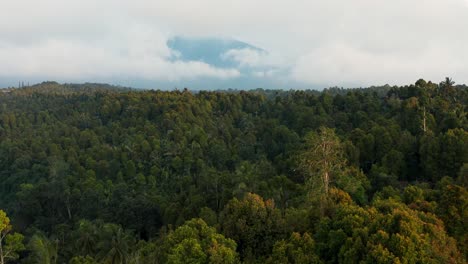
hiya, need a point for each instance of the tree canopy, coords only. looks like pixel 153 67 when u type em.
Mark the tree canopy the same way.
pixel 92 173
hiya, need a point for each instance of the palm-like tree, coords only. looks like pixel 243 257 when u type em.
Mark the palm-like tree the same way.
pixel 448 90
pixel 44 250
pixel 87 238
pixel 448 82
pixel 115 246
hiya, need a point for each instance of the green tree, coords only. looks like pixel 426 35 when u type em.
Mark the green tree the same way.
pixel 321 160
pixel 324 166
pixel 453 210
pixel 454 151
pixel 10 244
pixel 115 244
pixel 254 223
pixel 43 250
pixel 298 249
pixel 387 232
pixel 196 242
pixel 86 238
pixel 83 260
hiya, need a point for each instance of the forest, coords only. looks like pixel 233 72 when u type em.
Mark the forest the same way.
pixel 93 173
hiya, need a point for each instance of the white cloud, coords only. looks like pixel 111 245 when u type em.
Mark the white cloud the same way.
pixel 137 53
pixel 265 74
pixel 245 57
pixel 345 65
pixel 261 64
pixel 335 41
pixel 249 57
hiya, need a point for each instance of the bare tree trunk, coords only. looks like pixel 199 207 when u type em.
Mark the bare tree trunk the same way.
pixel 424 120
pixel 218 205
pixel 69 211
pixel 326 181
pixel 1 250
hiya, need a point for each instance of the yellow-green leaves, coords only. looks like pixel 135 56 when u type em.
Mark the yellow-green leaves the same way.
pixel 196 242
pixel 10 244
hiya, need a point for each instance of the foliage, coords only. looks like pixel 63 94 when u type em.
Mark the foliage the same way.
pixel 297 250
pixel 196 242
pixel 10 243
pixel 253 223
pixel 95 173
pixel 387 232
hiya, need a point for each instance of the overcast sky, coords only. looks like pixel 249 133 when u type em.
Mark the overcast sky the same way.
pixel 304 44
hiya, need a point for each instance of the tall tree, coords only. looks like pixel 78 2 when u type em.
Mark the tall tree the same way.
pixel 321 161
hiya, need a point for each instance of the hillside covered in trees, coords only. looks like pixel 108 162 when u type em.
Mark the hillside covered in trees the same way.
pixel 95 174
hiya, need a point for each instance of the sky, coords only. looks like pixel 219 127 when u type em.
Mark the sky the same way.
pixel 243 44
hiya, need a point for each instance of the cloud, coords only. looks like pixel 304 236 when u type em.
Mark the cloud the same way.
pixel 318 43
pixel 245 57
pixel 138 53
pixel 345 65
pixel 265 74
pixel 260 63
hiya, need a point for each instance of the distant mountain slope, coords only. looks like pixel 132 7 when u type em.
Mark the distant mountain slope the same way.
pixel 208 50
pixel 52 87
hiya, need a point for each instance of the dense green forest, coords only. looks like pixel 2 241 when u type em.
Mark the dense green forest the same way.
pixel 98 174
